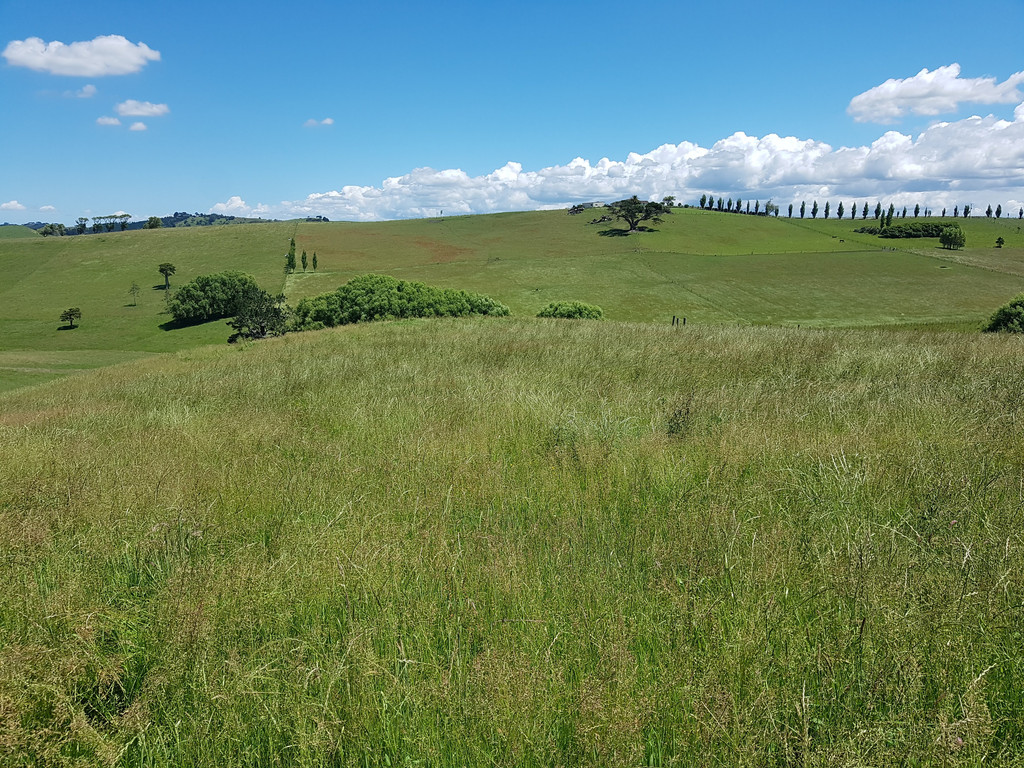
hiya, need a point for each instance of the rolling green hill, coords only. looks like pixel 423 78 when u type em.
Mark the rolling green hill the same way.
pixel 519 542
pixel 12 231
pixel 711 268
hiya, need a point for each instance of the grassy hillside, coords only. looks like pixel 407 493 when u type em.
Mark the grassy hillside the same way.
pixel 711 268
pixel 515 542
pixel 44 276
pixel 12 231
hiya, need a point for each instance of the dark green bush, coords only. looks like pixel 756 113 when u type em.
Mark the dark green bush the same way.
pixel 381 297
pixel 909 230
pixel 572 309
pixel 210 297
pixel 1009 318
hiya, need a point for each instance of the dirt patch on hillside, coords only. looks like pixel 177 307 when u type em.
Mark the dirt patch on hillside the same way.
pixel 443 253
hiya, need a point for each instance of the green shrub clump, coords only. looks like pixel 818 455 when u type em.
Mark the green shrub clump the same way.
pixel 1009 318
pixel 576 310
pixel 211 297
pixel 911 229
pixel 381 297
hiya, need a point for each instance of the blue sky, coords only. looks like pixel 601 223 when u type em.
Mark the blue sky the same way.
pixel 388 110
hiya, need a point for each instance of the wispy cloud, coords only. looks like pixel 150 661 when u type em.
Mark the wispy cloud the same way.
pixel 85 92
pixel 107 121
pixel 133 108
pixel 311 123
pixel 48 208
pixel 104 55
pixel 935 92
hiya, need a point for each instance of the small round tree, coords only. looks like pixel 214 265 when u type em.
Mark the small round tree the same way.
pixel 70 315
pixel 952 237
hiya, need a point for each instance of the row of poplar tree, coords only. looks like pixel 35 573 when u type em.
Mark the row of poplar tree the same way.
pixel 708 202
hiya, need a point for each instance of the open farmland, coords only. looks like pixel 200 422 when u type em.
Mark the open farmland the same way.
pixel 711 268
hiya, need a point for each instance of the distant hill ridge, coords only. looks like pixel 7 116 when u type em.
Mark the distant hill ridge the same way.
pixel 177 219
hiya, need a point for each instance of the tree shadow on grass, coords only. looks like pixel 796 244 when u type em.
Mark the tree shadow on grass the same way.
pixel 174 325
pixel 623 232
pixel 68 327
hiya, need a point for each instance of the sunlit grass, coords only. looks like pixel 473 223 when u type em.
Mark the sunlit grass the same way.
pixel 519 543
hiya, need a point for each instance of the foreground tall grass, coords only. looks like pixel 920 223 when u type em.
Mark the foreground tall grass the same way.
pixel 519 543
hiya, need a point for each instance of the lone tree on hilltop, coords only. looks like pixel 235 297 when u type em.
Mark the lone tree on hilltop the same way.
pixel 633 211
pixel 1000 242
pixel 153 222
pixel 167 269
pixel 70 315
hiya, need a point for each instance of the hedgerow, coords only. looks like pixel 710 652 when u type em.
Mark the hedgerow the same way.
pixel 908 230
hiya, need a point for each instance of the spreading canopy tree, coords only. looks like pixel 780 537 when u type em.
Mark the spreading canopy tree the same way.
pixel 70 315
pixel 633 211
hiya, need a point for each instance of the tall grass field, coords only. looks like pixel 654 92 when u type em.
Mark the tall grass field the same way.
pixel 519 542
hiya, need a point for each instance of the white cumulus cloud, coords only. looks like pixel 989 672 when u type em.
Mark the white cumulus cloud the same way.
pixel 140 126
pixel 936 92
pixel 133 108
pixel 12 205
pixel 104 55
pixel 107 121
pixel 48 208
pixel 978 160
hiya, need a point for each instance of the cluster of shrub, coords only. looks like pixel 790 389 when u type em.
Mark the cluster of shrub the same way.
pixel 257 314
pixel 951 236
pixel 572 310
pixel 382 297
pixel 1009 318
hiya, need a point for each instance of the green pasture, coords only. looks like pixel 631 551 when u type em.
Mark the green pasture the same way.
pixel 706 266
pixel 517 542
